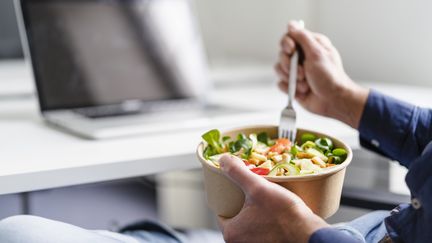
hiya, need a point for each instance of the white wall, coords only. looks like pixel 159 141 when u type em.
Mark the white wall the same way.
pixel 383 41
pixel 246 30
pixel 386 40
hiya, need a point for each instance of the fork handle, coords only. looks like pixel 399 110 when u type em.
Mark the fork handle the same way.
pixel 292 82
pixel 292 78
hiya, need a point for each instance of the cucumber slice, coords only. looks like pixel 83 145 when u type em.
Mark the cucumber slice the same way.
pixel 292 169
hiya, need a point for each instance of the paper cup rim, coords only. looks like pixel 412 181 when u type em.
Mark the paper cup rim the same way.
pixel 326 172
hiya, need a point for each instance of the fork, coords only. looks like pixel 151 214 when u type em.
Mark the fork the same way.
pixel 287 124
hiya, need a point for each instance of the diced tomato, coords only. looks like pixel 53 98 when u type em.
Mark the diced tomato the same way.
pixel 278 148
pixel 284 141
pixel 260 171
pixel 281 145
pixel 249 164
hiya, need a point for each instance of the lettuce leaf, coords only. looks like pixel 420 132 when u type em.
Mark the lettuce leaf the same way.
pixel 213 139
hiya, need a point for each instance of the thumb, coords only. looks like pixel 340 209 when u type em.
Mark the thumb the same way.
pixel 304 38
pixel 237 171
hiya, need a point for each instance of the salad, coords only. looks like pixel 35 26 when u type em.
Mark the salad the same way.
pixel 275 157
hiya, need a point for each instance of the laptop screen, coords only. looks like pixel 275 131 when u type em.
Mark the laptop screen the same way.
pixel 97 52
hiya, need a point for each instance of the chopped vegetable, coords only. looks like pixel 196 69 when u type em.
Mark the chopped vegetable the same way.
pixel 308 144
pixel 277 148
pixel 243 147
pixel 340 152
pixel 264 138
pixel 268 164
pixel 212 138
pixel 295 149
pixel 334 159
pixel 275 157
pixel 284 141
pixel 308 137
pixel 315 153
pixel 260 171
pixel 290 168
pixel 325 144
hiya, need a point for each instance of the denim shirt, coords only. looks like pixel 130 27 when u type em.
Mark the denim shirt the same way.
pixel 402 132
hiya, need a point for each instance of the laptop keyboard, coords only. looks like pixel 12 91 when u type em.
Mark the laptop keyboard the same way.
pixel 110 111
pixel 162 117
pixel 98 113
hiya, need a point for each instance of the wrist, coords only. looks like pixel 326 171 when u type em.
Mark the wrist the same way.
pixel 307 224
pixel 350 104
pixel 312 224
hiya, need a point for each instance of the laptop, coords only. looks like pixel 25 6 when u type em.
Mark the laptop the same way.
pixel 109 68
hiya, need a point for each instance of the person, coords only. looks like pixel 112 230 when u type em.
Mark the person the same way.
pixel 388 126
pixel 271 213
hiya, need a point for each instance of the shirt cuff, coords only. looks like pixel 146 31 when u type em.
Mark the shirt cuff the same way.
pixel 327 235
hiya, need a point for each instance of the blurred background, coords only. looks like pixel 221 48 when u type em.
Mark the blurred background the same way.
pixel 381 42
pixel 384 41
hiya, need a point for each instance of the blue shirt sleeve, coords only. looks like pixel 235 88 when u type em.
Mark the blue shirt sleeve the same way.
pixel 326 235
pixel 394 128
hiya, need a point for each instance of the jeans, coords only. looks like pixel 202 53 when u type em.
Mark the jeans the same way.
pixel 33 229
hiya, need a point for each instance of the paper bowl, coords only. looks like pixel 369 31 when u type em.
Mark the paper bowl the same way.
pixel 321 192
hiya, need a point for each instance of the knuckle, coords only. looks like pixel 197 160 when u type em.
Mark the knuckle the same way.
pixel 229 169
pixel 316 53
pixel 326 39
pixel 256 190
pixel 279 68
pixel 229 235
pixel 287 44
pixel 323 38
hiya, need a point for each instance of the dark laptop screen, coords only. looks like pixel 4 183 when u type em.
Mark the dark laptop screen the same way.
pixel 95 52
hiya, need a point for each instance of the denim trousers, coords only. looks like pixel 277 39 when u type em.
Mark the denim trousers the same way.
pixel 33 229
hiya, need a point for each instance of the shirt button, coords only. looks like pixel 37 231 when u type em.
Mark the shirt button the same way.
pixel 375 143
pixel 415 203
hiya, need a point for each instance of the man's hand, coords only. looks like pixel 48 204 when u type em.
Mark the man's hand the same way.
pixel 270 213
pixel 323 87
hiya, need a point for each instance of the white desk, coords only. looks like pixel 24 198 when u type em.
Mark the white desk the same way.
pixel 15 78
pixel 34 156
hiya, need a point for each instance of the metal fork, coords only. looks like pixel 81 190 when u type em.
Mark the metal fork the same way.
pixel 287 124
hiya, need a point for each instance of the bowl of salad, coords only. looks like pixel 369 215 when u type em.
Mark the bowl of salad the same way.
pixel 313 166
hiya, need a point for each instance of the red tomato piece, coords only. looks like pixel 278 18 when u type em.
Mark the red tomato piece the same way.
pixel 281 145
pixel 284 141
pixel 278 148
pixel 260 171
